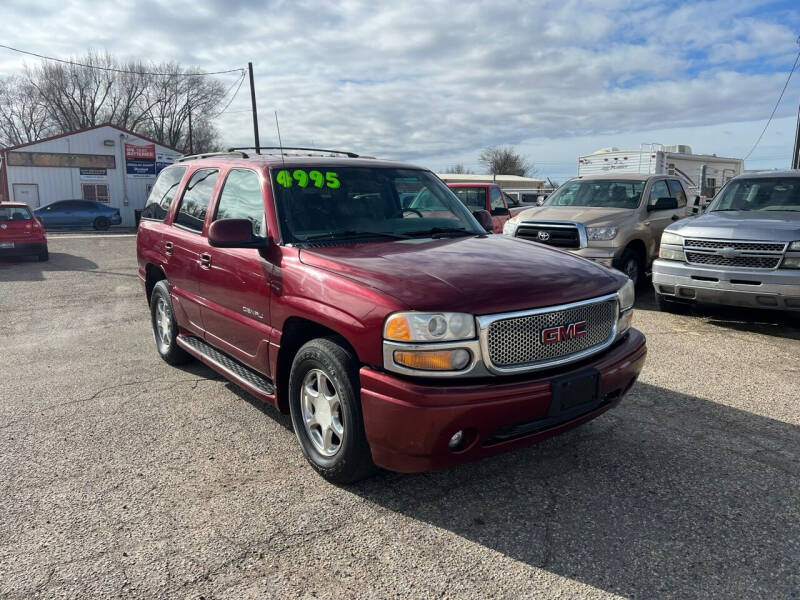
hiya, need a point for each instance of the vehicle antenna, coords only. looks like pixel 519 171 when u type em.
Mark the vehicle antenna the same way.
pixel 280 143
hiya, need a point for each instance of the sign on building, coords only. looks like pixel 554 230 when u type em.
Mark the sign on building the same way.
pixel 140 161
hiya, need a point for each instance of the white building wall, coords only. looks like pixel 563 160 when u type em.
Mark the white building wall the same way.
pixel 58 183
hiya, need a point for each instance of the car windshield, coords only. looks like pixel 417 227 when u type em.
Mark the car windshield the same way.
pixel 473 198
pixel 768 193
pixel 14 213
pixel 316 202
pixel 608 193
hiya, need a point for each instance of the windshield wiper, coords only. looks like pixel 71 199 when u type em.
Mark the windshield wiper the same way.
pixel 440 231
pixel 730 210
pixel 352 233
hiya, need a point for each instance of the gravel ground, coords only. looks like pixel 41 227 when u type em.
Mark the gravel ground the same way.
pixel 121 476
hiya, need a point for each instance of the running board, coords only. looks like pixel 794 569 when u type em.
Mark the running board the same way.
pixel 228 366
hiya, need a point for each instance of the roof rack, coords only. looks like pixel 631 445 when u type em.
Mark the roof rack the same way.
pixel 230 153
pixel 282 148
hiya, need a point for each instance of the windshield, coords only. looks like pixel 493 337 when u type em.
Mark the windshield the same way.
pixel 14 213
pixel 473 198
pixel 366 202
pixel 773 193
pixel 608 193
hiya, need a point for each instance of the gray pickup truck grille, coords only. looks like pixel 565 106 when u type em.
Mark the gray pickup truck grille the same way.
pixel 751 246
pixel 734 253
pixel 517 341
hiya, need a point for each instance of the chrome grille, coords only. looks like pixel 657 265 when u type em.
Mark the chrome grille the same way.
pixel 517 341
pixel 751 246
pixel 746 261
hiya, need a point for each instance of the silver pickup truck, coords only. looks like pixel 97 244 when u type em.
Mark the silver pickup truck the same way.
pixel 744 250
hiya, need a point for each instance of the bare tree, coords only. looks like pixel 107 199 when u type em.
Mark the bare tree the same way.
pixel 505 161
pixel 148 98
pixel 458 168
pixel 23 114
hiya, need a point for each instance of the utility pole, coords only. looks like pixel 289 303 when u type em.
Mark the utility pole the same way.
pixel 255 112
pixel 796 153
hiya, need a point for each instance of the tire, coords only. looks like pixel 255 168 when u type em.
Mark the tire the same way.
pixel 165 328
pixel 44 255
pixel 670 306
pixel 335 443
pixel 101 224
pixel 631 264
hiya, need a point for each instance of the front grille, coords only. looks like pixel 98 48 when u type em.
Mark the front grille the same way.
pixel 517 341
pixel 750 246
pixel 746 261
pixel 561 237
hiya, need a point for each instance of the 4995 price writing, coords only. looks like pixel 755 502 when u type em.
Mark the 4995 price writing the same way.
pixel 302 178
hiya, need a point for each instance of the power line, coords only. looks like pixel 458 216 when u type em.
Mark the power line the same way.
pixel 113 70
pixel 785 85
pixel 238 87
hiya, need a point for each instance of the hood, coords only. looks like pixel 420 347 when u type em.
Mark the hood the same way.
pixel 478 275
pixel 779 226
pixel 591 216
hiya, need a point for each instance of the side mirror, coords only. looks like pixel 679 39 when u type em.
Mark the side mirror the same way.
pixel 664 204
pixel 485 219
pixel 500 211
pixel 234 233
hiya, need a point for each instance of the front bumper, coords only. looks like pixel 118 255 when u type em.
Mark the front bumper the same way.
pixel 605 256
pixel 409 423
pixel 753 288
pixel 24 248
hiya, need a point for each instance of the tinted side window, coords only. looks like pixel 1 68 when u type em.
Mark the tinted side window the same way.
pixel 241 198
pixel 497 199
pixel 659 190
pixel 163 192
pixel 196 198
pixel 676 191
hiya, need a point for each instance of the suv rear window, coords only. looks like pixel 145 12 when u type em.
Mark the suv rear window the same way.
pixel 160 198
pixel 473 198
pixel 196 198
pixel 14 213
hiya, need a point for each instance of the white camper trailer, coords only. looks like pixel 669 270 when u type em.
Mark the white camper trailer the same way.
pixel 702 174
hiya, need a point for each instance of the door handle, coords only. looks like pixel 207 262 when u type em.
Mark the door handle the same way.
pixel 205 260
pixel 168 247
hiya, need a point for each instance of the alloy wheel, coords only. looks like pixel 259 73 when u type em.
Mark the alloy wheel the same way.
pixel 322 412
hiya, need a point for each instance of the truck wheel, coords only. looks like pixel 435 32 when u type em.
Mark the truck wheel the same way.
pixel 326 411
pixel 101 224
pixel 670 306
pixel 165 328
pixel 630 263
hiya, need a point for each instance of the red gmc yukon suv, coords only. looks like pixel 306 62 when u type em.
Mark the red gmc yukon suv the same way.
pixel 407 338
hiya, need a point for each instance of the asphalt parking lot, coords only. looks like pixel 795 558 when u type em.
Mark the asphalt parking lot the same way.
pixel 121 476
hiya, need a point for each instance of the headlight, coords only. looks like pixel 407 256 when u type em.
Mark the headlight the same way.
pixel 794 247
pixel 671 254
pixel 626 296
pixel 510 227
pixel 791 262
pixel 601 234
pixel 671 238
pixel 429 327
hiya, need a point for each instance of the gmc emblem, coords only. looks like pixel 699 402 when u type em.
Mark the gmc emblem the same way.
pixel 551 335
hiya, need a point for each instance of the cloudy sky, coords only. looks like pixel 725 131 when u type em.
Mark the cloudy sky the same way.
pixel 434 82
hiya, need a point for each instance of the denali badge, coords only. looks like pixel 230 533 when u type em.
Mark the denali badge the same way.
pixel 562 333
pixel 543 235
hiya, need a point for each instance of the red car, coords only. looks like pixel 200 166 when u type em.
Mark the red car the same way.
pixel 398 335
pixel 488 197
pixel 21 233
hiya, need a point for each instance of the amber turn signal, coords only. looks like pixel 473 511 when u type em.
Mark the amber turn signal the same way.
pixel 433 360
